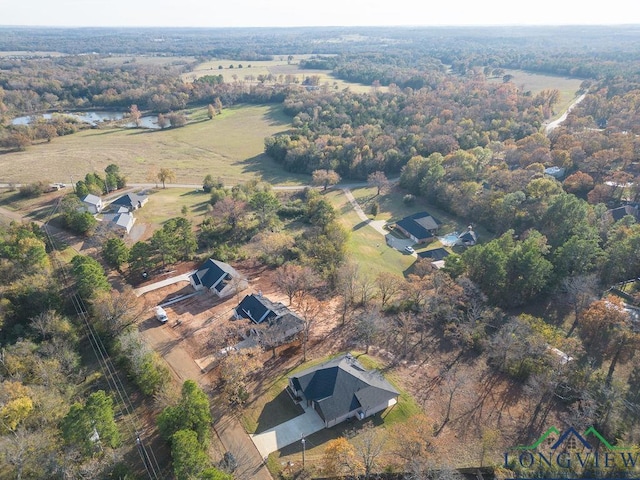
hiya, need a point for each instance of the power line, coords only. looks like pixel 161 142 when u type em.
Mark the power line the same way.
pixel 109 371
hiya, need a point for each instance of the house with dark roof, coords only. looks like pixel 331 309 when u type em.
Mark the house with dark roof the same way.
pixel 617 214
pixel 280 323
pixel 436 256
pixel 419 227
pixel 92 203
pixel 219 278
pixel 468 238
pixel 342 388
pixel 131 201
pixel 258 308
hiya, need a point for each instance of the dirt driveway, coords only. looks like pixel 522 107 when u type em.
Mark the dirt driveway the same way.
pixel 205 324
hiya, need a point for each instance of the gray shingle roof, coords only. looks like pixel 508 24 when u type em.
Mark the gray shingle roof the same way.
pixel 342 385
pixel 211 271
pixel 419 225
pixel 130 200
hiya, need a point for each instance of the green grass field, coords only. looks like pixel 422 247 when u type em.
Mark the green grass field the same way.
pixel 278 66
pixel 165 204
pixel 230 146
pixel 366 246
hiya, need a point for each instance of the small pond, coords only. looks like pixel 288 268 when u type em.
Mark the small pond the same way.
pixel 92 118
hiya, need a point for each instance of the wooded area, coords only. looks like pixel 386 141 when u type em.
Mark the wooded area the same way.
pixel 445 119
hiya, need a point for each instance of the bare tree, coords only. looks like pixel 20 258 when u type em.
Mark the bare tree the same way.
pixel 369 446
pixel 44 323
pixel 295 281
pixel 309 311
pixel 366 289
pixel 405 325
pixel 579 293
pixel 346 285
pixel 451 383
pixel 115 311
pixel 389 285
pixel 229 211
pixel 367 327
pixel 25 453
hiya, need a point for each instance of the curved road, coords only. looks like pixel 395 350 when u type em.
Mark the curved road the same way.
pixel 556 123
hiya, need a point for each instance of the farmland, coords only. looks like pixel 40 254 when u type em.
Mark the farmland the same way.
pixel 230 147
pixel 234 70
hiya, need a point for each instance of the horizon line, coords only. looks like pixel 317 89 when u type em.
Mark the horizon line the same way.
pixel 435 25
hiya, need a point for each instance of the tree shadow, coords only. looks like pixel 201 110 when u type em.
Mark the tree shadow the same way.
pixel 361 225
pixel 276 116
pixel 269 170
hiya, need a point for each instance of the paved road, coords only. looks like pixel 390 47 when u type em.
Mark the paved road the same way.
pixel 563 117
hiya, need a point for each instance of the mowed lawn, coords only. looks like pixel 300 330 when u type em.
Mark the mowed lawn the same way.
pixel 366 246
pixel 230 147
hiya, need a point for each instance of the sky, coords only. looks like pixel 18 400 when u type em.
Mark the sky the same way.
pixel 288 13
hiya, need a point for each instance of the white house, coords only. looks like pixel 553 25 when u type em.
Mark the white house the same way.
pixel 93 203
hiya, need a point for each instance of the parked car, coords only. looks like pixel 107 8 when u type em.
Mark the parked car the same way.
pixel 409 249
pixel 161 315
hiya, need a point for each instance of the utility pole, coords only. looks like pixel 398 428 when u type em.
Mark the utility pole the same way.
pixel 303 444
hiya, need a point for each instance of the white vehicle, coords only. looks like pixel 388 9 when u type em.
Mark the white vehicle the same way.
pixel 409 249
pixel 161 315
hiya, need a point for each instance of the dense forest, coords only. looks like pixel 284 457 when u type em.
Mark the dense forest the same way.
pixel 445 119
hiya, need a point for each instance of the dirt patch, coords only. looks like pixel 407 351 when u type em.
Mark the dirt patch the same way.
pixel 475 411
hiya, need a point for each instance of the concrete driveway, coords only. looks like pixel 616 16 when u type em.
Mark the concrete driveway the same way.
pixel 163 283
pixel 399 243
pixel 288 432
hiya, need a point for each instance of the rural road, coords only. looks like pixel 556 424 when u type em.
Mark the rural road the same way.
pixel 556 123
pixel 377 225
pixel 166 340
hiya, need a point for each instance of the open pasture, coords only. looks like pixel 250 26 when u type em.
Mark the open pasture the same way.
pixel 230 146
pixel 536 82
pixel 278 66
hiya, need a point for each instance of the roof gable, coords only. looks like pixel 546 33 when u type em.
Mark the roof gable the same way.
pixel 210 273
pixel 413 228
pixel 130 200
pixel 256 308
pixel 343 385
pixel 92 199
pixel 434 254
pixel 419 224
pixel 619 213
